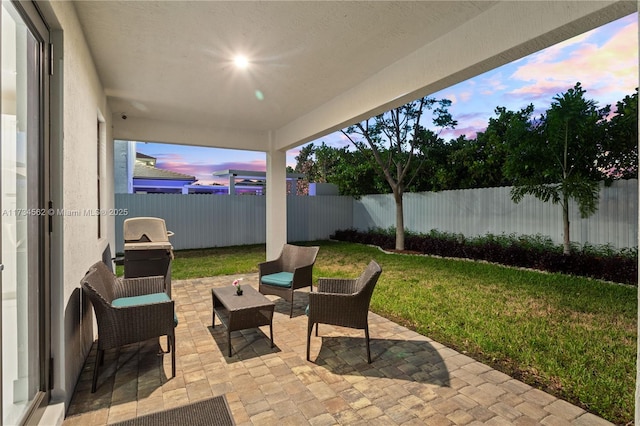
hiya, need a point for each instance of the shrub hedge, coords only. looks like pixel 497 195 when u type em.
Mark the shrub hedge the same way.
pixel 535 252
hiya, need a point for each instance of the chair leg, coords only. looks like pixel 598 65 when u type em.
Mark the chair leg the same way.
pixel 291 313
pixel 366 335
pixel 317 325
pixel 172 348
pixel 309 329
pixel 99 360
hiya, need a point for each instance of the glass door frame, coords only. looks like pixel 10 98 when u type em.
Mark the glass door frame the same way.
pixel 32 17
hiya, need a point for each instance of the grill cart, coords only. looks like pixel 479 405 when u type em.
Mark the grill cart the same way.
pixel 147 250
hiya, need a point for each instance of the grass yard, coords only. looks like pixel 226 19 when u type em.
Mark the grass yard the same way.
pixel 573 337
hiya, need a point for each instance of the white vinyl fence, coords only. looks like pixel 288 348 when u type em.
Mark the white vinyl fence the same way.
pixel 474 212
pixel 201 221
pixel 205 220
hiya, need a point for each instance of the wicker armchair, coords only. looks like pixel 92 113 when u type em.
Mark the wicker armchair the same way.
pixel 343 302
pixel 128 311
pixel 289 272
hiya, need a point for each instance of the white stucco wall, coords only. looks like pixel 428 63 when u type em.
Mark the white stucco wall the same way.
pixel 78 103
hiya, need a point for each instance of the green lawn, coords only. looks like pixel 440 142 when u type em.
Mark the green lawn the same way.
pixel 573 337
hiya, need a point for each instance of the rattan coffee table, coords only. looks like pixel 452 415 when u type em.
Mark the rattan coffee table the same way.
pixel 250 310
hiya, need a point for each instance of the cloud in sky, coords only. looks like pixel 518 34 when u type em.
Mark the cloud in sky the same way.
pixel 469 125
pixel 492 84
pixel 199 170
pixel 202 170
pixel 469 131
pixel 557 51
pixel 254 166
pixel 334 140
pixel 607 68
pixel 604 60
pixel 465 96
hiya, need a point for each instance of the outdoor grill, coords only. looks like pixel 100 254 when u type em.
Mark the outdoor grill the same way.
pixel 147 250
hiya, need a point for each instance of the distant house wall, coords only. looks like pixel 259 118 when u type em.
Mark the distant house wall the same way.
pixel 159 185
pixel 201 221
pixel 323 189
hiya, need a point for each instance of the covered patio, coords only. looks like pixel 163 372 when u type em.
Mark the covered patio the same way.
pixel 412 380
pixel 163 71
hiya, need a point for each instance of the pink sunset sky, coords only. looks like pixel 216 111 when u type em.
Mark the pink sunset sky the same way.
pixel 604 60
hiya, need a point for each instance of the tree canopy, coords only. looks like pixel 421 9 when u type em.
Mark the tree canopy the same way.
pixel 478 162
pixel 560 156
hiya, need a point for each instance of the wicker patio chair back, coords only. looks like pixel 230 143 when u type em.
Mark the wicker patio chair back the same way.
pixel 99 283
pixel 367 281
pixel 293 257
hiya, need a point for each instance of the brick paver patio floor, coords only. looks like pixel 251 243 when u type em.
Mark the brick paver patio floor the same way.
pixel 413 380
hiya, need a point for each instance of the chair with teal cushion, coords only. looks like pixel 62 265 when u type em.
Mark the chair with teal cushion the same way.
pixel 128 311
pixel 145 299
pixel 292 270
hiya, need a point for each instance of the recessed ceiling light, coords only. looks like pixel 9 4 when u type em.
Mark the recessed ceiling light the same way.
pixel 241 61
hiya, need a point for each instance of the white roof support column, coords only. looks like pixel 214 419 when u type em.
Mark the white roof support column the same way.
pixel 232 184
pixel 276 202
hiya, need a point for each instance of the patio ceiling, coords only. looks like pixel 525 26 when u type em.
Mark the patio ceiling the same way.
pixel 314 66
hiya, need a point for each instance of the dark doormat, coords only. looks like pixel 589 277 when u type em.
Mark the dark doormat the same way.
pixel 210 412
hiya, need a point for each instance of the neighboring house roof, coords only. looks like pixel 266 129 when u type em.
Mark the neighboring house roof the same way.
pixel 145 159
pixel 142 171
pixel 144 156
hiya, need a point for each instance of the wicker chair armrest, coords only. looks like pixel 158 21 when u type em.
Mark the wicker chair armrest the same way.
pixel 127 287
pixel 303 276
pixel 269 267
pixel 336 285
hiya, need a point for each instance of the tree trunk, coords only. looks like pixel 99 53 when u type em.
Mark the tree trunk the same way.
pixel 565 199
pixel 565 220
pixel 399 220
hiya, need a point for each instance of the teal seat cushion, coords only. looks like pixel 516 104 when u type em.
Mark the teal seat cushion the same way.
pixel 280 279
pixel 145 299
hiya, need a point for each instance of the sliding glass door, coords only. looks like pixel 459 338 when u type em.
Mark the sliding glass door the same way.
pixel 23 213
